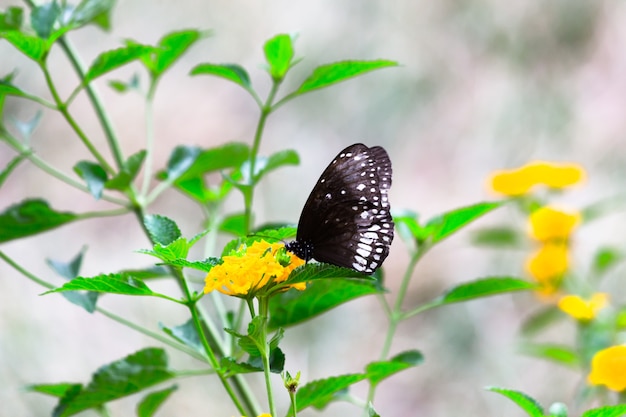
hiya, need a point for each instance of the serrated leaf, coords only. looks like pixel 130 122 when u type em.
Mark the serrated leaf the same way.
pixel 148 273
pixel 277 361
pixel 94 175
pixel 70 270
pixel 484 288
pixel 174 252
pixel 230 155
pixel 31 217
pixel 328 74
pixel 186 334
pixel 275 232
pixel 106 283
pixel 110 60
pixel 55 390
pixel 128 173
pixel 10 167
pixel 527 403
pixel 44 17
pixel 448 223
pixel 118 379
pixel 231 72
pixel 151 402
pixel 293 307
pixel 607 411
pixel 162 230
pixel 231 367
pixel 279 54
pixel 380 370
pixel 560 354
pixel 32 46
pixel 319 393
pixel 204 266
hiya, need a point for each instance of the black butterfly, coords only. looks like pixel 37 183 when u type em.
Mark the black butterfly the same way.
pixel 346 219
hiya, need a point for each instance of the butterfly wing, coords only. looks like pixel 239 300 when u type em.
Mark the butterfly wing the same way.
pixel 346 219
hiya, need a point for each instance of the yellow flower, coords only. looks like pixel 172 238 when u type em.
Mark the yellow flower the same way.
pixel 520 181
pixel 549 223
pixel 581 309
pixel 252 267
pixel 608 367
pixel 548 265
pixel 263 415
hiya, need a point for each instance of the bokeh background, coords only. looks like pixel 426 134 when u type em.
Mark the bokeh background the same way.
pixel 482 85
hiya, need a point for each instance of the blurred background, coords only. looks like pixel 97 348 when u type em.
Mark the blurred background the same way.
pixel 482 85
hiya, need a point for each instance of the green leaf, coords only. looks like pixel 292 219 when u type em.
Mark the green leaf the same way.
pixel 12 18
pixel 231 367
pixel 33 47
pixel 204 266
pixel 31 217
pixel 275 232
pixel 162 230
pixel 43 18
pixel 484 288
pixel 317 271
pixel 293 306
pixel 94 175
pixel 448 223
pixel 10 166
pixel 528 404
pixel 274 161
pixel 147 273
pixel 106 283
pixel 277 361
pixel 319 393
pixel 606 258
pixel 234 224
pixel 557 410
pixel 151 402
pixel 170 48
pixel 27 127
pixel 231 72
pixel 6 88
pixel 230 155
pixel 55 390
pixel 279 54
pixel 607 411
pixel 129 171
pixel 118 379
pixel 70 270
pixel 540 320
pixel 186 334
pixel 97 12
pixel 181 159
pixel 407 223
pixel 328 74
pixel 497 237
pixel 560 354
pixel 110 60
pixel 176 251
pixel 377 371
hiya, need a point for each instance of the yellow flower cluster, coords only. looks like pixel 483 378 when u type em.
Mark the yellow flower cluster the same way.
pixel 251 268
pixel 552 228
pixel 608 367
pixel 583 310
pixel 522 180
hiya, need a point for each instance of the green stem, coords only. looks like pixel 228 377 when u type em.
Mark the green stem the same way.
pixel 205 343
pixel 248 192
pixel 70 120
pixel 265 353
pixel 49 169
pixel 149 138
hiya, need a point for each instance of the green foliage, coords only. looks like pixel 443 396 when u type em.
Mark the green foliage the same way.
pixel 322 391
pixel 526 403
pixel 163 231
pixel 31 217
pixel 380 370
pixel 94 175
pixel 563 355
pixel 186 333
pixel 151 402
pixel 483 288
pixel 107 283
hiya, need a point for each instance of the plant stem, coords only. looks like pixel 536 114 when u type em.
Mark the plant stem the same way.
pixel 265 353
pixel 149 138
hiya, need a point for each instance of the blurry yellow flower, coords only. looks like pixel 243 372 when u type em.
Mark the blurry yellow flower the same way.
pixel 251 268
pixel 608 367
pixel 264 415
pixel 520 181
pixel 548 264
pixel 549 223
pixel 581 309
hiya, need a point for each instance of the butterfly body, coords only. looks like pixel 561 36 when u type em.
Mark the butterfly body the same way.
pixel 346 219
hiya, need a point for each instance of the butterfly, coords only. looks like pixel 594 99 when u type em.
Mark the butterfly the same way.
pixel 346 219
